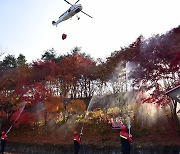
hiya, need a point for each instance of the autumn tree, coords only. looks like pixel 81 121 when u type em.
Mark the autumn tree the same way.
pixel 30 96
pixel 75 75
pixel 156 62
pixel 42 70
pixel 76 106
pixel 52 107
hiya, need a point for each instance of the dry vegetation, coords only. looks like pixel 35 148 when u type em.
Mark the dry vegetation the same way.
pixel 101 135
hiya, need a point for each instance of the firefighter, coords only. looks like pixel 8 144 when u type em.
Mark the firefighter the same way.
pixel 125 140
pixel 3 141
pixel 77 141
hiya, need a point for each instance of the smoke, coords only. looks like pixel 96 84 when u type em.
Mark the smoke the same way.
pixel 150 115
pixel 106 101
pixel 113 92
pixel 69 126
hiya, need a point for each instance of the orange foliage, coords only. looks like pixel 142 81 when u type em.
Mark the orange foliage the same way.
pixel 54 104
pixel 76 106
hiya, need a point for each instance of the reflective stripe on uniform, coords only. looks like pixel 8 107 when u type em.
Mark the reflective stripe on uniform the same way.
pixel 123 137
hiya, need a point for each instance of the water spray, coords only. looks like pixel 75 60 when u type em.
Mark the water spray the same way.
pixel 83 122
pixel 16 118
pixel 85 116
pixel 129 125
pixel 81 132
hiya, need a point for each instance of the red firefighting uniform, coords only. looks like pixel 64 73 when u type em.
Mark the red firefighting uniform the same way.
pixel 3 141
pixel 76 143
pixel 125 140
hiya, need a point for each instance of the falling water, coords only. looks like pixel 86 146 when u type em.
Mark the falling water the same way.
pixel 20 111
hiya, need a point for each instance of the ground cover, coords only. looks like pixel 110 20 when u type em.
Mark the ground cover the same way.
pixel 101 136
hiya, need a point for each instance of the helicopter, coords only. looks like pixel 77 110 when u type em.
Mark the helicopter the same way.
pixel 74 9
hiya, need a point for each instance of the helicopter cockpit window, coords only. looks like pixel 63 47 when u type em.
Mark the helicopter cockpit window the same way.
pixel 77 10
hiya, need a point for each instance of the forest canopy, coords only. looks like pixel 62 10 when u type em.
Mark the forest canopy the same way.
pixel 59 86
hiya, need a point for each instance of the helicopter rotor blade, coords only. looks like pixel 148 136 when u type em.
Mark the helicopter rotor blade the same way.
pixel 68 2
pixel 77 1
pixel 87 14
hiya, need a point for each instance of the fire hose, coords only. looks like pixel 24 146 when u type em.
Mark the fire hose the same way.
pixel 16 119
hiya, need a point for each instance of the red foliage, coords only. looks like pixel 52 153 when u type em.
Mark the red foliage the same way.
pixel 33 93
pixel 24 118
pixel 36 93
pixel 41 70
pixel 74 67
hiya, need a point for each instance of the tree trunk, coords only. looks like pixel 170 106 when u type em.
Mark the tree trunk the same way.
pixel 45 121
pixel 175 117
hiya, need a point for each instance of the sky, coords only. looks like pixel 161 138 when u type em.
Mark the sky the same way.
pixel 25 25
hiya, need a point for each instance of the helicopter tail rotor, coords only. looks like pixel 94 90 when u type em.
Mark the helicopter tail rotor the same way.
pixel 54 23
